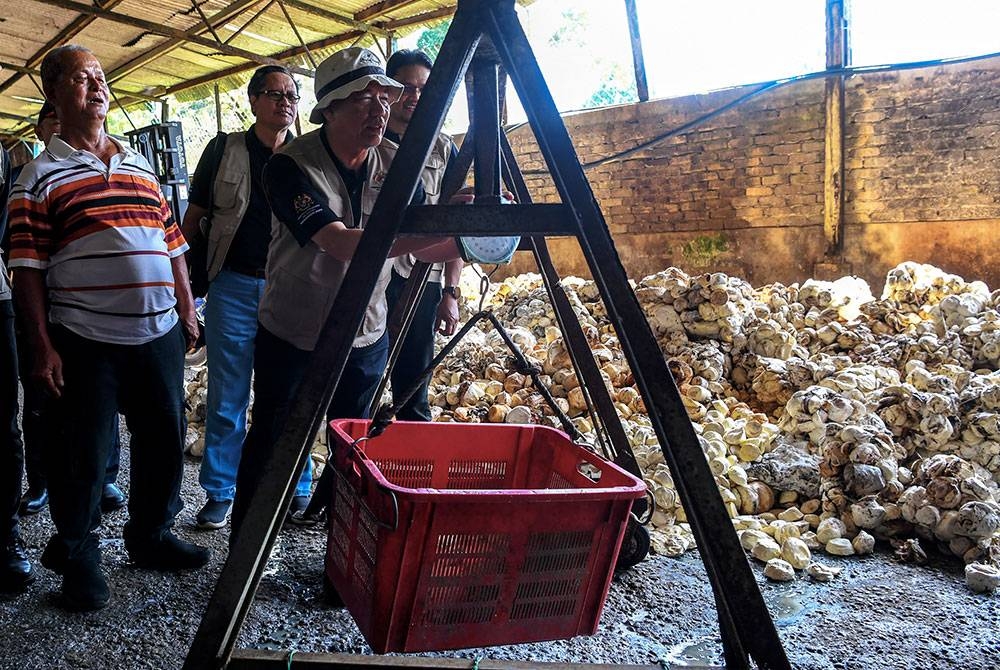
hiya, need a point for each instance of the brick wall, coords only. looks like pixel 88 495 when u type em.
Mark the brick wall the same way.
pixel 743 192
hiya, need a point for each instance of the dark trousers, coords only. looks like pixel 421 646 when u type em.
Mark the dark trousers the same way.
pixel 145 383
pixel 36 422
pixel 417 351
pixel 11 447
pixel 278 370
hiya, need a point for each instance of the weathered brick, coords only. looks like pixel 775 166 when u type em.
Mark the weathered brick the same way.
pixel 919 145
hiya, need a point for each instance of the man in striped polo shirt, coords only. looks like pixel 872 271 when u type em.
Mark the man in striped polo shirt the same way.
pixel 100 279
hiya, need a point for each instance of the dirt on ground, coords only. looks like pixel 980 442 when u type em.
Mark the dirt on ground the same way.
pixel 877 614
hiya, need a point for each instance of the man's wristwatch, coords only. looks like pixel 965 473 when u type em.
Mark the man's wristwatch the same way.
pixel 454 291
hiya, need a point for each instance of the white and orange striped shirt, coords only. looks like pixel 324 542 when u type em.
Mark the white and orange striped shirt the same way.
pixel 104 235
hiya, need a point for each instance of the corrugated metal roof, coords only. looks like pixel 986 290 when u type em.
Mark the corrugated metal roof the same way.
pixel 150 48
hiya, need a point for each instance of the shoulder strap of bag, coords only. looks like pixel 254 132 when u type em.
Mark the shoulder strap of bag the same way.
pixel 219 149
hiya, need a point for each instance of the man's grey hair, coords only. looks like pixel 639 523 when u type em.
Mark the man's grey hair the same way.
pixel 52 65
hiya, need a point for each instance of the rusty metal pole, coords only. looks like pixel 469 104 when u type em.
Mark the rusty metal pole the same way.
pixel 641 87
pixel 833 155
pixel 218 110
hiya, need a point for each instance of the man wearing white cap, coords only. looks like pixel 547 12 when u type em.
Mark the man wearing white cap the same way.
pixel 322 187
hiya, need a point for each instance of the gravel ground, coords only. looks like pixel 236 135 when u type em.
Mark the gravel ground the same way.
pixel 878 613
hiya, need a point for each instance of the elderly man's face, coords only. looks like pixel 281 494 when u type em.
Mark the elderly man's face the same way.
pixel 361 117
pixel 81 92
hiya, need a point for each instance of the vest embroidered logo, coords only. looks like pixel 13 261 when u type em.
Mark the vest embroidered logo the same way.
pixel 377 179
pixel 304 206
pixel 303 202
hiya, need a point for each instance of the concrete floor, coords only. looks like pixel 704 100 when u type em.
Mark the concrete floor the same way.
pixel 877 614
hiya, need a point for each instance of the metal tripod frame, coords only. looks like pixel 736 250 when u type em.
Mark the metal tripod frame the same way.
pixel 746 627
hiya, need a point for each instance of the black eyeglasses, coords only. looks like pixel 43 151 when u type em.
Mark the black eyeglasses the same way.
pixel 276 96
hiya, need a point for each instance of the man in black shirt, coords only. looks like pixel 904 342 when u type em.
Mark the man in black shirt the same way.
pixel 438 305
pixel 228 204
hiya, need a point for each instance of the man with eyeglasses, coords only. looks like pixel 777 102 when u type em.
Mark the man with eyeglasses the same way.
pixel 322 188
pixel 227 191
pixel 437 309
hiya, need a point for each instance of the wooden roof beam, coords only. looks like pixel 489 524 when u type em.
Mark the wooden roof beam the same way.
pixel 384 7
pixel 284 55
pixel 419 18
pixel 347 20
pixel 221 17
pixel 21 70
pixel 158 29
pixel 18 117
pixel 64 36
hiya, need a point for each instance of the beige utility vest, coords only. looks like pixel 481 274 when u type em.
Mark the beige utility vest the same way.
pixel 302 282
pixel 432 178
pixel 5 290
pixel 231 196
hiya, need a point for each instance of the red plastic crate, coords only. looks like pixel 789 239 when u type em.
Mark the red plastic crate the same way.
pixel 449 535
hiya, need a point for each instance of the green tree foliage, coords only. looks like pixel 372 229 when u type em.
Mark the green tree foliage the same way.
pixel 572 32
pixel 198 122
pixel 430 40
pixel 570 40
pixel 611 93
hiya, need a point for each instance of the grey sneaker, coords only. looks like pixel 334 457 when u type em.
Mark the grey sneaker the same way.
pixel 214 514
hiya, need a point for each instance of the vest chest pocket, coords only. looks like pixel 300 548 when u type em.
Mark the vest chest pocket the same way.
pixel 432 177
pixel 227 187
pixel 368 197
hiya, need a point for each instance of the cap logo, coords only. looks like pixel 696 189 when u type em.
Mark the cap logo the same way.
pixel 368 58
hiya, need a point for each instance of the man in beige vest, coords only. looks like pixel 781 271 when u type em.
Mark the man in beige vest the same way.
pixel 322 188
pixel 229 181
pixel 437 309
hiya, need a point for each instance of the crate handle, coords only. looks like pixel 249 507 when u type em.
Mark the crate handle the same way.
pixel 354 454
pixel 395 511
pixel 589 470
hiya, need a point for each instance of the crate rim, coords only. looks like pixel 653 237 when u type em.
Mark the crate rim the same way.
pixel 498 496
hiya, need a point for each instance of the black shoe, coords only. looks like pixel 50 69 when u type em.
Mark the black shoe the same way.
pixel 55 557
pixel 112 498
pixel 84 587
pixel 308 517
pixel 169 553
pixel 33 501
pixel 303 512
pixel 15 569
pixel 214 514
